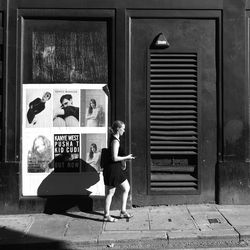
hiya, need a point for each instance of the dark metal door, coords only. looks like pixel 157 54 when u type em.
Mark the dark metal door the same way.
pixel 173 108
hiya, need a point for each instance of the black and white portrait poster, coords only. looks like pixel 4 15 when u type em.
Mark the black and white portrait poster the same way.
pixel 66 108
pixel 58 144
pixel 36 159
pixel 38 108
pixel 91 148
pixel 93 108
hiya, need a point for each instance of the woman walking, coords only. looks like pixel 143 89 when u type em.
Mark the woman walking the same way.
pixel 114 174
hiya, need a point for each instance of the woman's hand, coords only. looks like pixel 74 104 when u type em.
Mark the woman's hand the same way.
pixel 124 165
pixel 58 111
pixel 130 157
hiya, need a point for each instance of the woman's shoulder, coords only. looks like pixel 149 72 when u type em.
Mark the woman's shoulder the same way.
pixel 114 140
pixel 112 137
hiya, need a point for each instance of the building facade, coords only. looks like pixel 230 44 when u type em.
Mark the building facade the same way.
pixel 177 73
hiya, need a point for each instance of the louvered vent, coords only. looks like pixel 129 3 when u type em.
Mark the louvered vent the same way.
pixel 173 122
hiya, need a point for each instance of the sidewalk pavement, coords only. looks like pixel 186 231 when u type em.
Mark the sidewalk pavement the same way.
pixel 158 227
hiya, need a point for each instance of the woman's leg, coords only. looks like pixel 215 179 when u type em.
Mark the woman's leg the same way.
pixel 71 121
pixel 108 199
pixel 125 187
pixel 59 122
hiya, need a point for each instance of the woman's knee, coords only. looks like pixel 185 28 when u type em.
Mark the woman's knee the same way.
pixel 59 122
pixel 110 191
pixel 71 121
pixel 125 186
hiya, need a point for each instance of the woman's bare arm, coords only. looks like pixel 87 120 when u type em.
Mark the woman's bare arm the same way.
pixel 114 152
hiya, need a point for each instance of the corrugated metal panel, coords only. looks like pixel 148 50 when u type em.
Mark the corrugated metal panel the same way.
pixel 173 121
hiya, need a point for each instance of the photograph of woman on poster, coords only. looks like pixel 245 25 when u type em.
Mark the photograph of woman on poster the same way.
pixel 92 114
pixel 91 145
pixel 67 115
pixel 40 155
pixel 93 104
pixel 93 157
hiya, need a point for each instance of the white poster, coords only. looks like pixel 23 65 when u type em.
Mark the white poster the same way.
pixel 64 128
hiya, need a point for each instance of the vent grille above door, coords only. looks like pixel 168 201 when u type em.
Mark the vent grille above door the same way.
pixel 173 122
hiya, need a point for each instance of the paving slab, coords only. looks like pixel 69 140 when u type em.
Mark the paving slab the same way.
pixel 204 207
pixel 83 227
pixel 208 218
pixel 50 227
pixel 19 223
pixel 13 228
pixel 239 218
pixel 140 221
pixel 236 215
pixel 244 232
pixel 171 218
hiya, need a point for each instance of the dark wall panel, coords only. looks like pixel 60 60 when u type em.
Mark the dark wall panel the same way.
pixel 63 51
pixel 233 171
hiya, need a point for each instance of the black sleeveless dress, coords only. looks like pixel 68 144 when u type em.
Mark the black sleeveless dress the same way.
pixel 112 172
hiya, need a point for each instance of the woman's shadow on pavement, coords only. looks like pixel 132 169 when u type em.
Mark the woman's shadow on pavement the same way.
pixel 66 186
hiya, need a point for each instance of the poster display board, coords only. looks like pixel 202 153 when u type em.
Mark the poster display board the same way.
pixel 64 128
